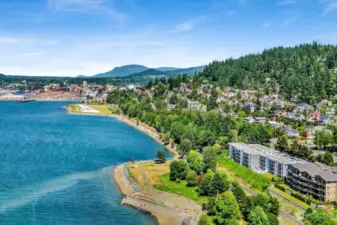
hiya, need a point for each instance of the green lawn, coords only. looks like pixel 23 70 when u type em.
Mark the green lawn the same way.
pixel 74 108
pixel 256 181
pixel 291 198
pixel 179 189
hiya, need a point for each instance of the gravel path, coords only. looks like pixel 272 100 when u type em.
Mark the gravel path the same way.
pixel 168 208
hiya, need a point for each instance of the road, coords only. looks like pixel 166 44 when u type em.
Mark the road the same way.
pixel 284 215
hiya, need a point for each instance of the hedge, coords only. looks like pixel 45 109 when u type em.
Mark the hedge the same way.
pixel 303 198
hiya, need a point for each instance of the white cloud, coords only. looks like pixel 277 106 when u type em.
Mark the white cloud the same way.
pixel 287 2
pixel 30 55
pixel 7 39
pixel 330 6
pixel 183 27
pixel 84 6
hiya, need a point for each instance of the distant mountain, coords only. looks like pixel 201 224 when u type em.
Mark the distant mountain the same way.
pixel 188 71
pixel 165 69
pixel 157 72
pixel 122 71
pixel 82 76
pixel 134 70
pixel 149 72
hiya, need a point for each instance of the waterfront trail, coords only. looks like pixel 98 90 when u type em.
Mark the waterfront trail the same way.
pixel 168 208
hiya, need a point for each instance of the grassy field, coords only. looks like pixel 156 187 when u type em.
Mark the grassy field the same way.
pixel 103 109
pixel 289 197
pixel 159 177
pixel 256 181
pixel 137 175
pixel 74 108
pixel 179 188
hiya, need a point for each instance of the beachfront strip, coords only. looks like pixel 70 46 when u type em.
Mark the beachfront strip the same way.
pixel 312 179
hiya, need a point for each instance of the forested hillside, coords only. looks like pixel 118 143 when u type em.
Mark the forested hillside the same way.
pixel 305 73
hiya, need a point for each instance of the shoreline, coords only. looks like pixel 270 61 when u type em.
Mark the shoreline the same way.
pixel 165 207
pixel 150 131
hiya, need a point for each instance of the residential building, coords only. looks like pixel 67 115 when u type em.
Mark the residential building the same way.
pixel 290 131
pixel 330 111
pixel 261 159
pixel 303 107
pixel 315 180
pixel 324 121
pixel 309 130
pixel 250 106
pixel 275 124
pixel 249 119
pixel 196 105
pixel 261 119
pixel 299 117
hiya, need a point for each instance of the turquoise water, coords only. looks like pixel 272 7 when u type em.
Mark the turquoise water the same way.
pixel 57 168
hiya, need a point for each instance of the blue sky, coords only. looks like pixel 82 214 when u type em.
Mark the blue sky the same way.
pixel 72 37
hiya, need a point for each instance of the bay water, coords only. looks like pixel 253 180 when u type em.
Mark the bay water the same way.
pixel 57 168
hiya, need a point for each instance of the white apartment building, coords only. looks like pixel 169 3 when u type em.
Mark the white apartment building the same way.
pixel 261 159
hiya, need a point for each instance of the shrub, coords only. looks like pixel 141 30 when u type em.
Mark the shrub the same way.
pixel 280 187
pixel 191 178
pixel 178 170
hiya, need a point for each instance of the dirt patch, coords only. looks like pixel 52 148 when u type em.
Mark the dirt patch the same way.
pixel 155 171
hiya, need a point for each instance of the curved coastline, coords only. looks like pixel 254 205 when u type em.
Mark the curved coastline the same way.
pixel 167 208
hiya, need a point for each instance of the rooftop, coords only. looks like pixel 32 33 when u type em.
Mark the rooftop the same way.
pixel 257 149
pixel 329 174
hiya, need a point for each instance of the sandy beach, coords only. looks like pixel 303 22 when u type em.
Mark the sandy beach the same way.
pixel 150 131
pixel 167 208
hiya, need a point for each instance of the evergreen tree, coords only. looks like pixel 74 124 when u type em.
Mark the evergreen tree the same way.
pixel 258 217
pixel 282 143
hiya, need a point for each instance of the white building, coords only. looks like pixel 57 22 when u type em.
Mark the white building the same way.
pixel 196 105
pixel 261 159
pixel 11 97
